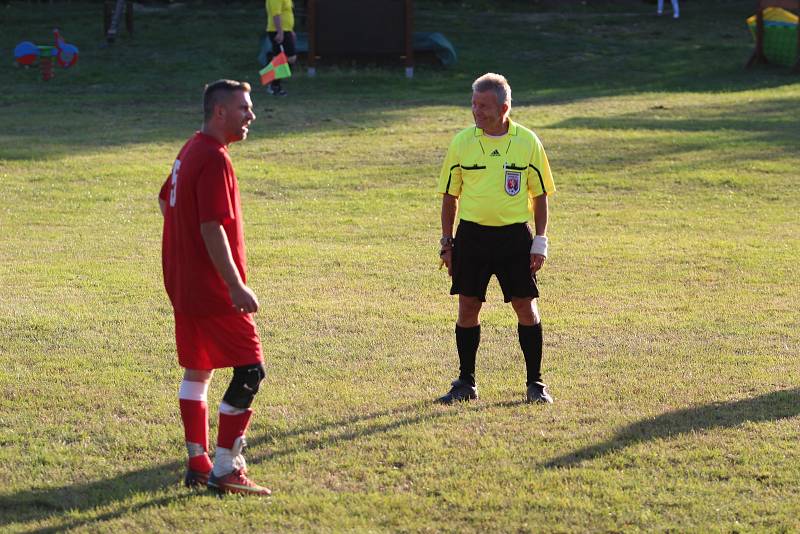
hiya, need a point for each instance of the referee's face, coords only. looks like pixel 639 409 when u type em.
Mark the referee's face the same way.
pixel 489 115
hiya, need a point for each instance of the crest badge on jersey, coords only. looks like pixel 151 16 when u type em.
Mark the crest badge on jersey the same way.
pixel 513 180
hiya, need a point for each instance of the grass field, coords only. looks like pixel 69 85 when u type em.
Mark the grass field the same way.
pixel 670 300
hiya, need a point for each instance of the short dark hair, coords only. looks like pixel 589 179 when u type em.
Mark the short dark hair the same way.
pixel 217 92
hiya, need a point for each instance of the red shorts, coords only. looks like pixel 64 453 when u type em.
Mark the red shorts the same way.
pixel 217 341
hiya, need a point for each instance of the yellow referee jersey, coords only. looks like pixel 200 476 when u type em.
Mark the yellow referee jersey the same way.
pixel 282 8
pixel 496 177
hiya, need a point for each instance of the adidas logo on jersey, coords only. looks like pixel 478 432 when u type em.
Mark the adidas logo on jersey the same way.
pixel 495 153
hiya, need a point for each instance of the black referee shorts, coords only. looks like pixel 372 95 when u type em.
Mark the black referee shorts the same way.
pixel 482 251
pixel 289 45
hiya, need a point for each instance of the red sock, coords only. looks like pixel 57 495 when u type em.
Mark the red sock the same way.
pixel 201 463
pixel 231 427
pixel 195 430
pixel 195 421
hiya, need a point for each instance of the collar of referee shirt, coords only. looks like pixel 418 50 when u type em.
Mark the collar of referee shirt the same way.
pixel 512 129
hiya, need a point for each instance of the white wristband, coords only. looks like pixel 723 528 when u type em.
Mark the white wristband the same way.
pixel 539 245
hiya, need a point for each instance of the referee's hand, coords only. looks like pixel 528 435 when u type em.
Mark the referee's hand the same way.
pixel 537 261
pixel 447 259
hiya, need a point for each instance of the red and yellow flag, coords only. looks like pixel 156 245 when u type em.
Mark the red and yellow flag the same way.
pixel 276 69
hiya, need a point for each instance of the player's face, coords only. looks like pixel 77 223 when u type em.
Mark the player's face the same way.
pixel 489 115
pixel 238 116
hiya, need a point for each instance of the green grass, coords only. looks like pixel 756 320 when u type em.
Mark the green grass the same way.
pixel 669 301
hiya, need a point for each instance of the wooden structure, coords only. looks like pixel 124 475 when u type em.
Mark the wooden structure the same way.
pixel 359 28
pixel 758 54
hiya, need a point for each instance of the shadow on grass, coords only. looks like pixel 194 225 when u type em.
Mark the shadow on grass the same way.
pixel 38 505
pixel 770 407
pixel 131 95
pixel 399 418
pixel 775 121
pixel 698 132
pixel 67 507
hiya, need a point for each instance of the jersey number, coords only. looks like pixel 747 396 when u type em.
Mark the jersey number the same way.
pixel 173 192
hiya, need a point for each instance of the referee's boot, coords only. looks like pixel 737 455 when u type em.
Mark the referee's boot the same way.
pixel 460 392
pixel 275 89
pixel 538 394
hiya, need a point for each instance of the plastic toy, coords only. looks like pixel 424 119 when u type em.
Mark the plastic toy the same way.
pixel 66 55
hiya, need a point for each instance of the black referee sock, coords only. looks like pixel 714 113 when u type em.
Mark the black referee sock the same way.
pixel 467 341
pixel 530 340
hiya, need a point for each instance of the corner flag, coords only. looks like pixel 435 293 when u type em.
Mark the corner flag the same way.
pixel 276 69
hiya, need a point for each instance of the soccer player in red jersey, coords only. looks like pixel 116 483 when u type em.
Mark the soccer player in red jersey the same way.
pixel 204 263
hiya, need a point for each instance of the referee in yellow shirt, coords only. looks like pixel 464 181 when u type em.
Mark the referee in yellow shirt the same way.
pixel 495 176
pixel 280 29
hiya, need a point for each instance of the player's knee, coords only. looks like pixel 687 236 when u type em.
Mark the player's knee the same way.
pixel 244 385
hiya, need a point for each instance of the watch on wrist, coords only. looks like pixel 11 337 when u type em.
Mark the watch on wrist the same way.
pixel 446 241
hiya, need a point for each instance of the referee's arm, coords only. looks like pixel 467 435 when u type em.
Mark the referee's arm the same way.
pixel 449 208
pixel 540 212
pixel 540 209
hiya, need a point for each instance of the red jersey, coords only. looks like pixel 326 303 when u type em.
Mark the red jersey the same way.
pixel 202 187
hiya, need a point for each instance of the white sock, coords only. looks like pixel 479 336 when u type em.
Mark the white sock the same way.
pixel 196 391
pixel 227 460
pixel 227 409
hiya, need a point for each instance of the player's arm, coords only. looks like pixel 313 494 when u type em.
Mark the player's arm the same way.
pixel 219 250
pixel 539 247
pixel 449 209
pixel 163 194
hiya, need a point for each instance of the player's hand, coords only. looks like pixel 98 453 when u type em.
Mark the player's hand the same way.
pixel 244 300
pixel 447 259
pixel 537 261
pixel 279 37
